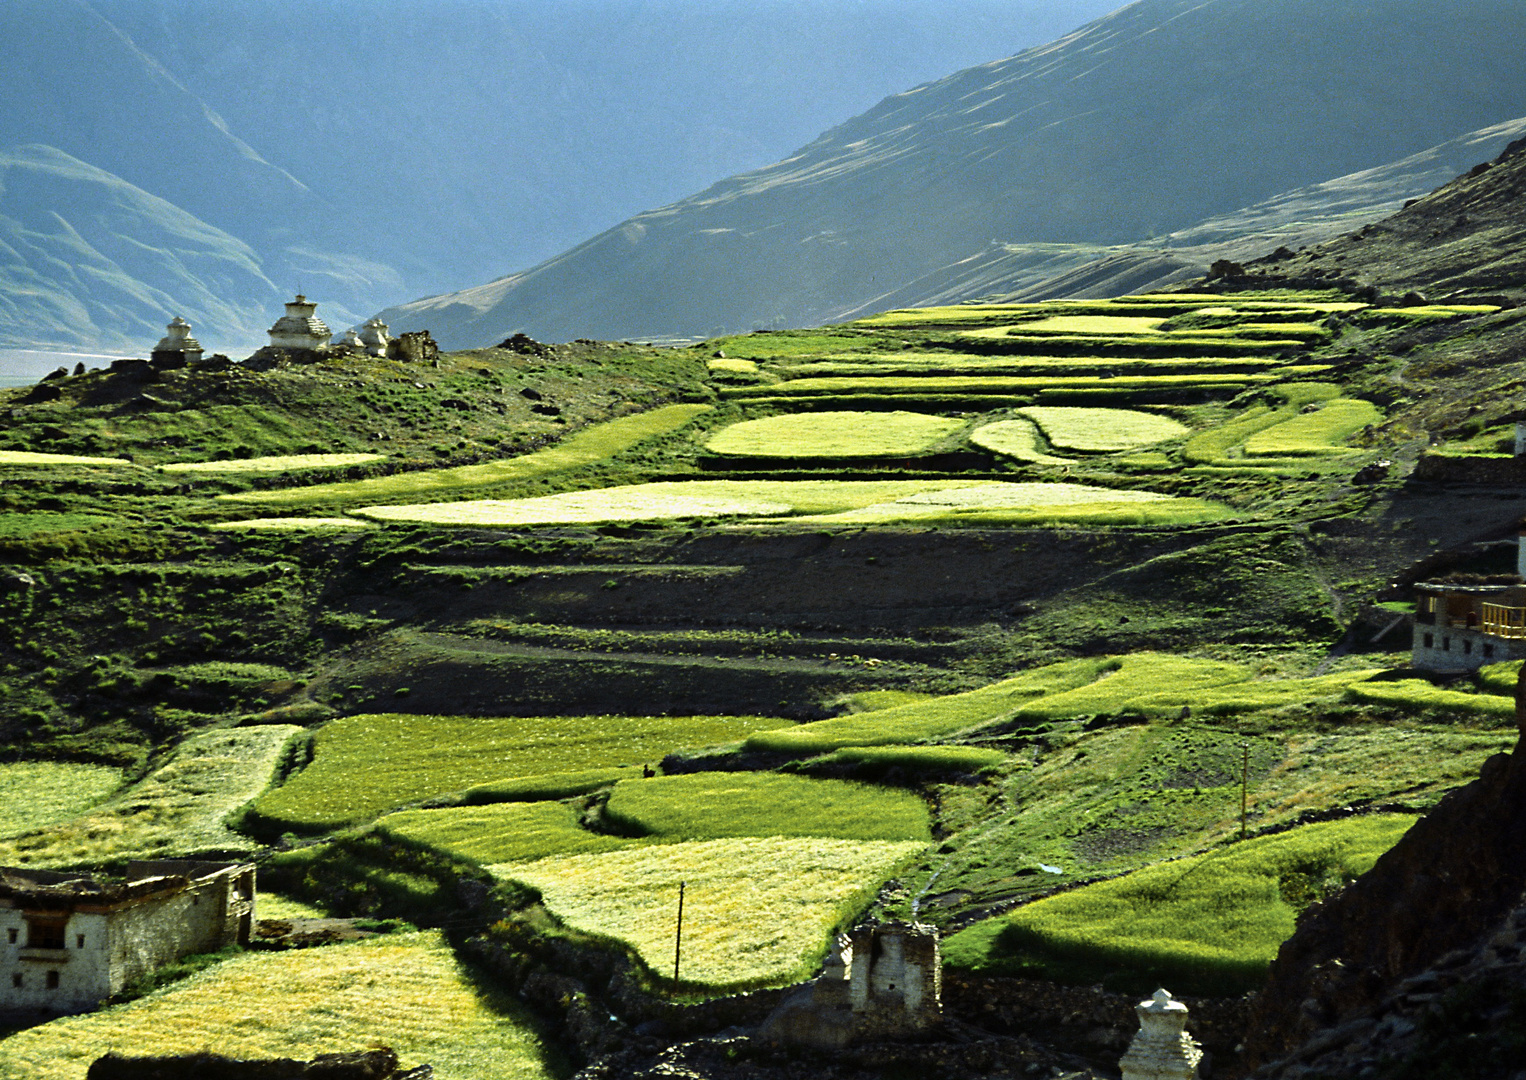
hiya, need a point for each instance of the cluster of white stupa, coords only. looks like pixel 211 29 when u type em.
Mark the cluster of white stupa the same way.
pixel 299 328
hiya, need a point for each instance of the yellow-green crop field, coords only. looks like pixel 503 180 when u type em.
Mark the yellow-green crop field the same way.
pixel 1018 439
pixel 976 386
pixel 26 457
pixel 1313 433
pixel 1102 430
pixel 297 524
pixel 1145 684
pixel 38 793
pixel 503 832
pixel 586 447
pixel 834 434
pixel 406 991
pixel 713 805
pixel 365 765
pixel 278 463
pixel 1419 696
pixel 757 912
pixel 1038 504
pixel 1209 924
pixel 177 810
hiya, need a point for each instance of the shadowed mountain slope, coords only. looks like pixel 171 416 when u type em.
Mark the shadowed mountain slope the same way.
pixel 1166 113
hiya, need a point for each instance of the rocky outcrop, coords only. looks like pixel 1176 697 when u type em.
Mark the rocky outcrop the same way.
pixel 378 1064
pixel 1445 888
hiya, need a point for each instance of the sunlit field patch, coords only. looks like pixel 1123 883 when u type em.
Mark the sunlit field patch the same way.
pixel 26 457
pixel 177 810
pixel 834 434
pixel 1210 924
pixel 1017 439
pixel 1102 430
pixel 296 524
pixel 712 805
pixel 282 463
pixel 1321 432
pixel 1036 504
pixel 406 991
pixel 503 833
pixel 586 447
pixel 756 911
pixel 38 793
pixel 367 764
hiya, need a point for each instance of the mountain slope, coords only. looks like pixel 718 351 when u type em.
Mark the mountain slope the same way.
pixel 1306 215
pixel 112 263
pixel 1149 120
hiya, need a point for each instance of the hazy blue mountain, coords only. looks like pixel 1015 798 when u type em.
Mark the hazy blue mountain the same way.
pixel 1293 219
pixel 88 261
pixel 1147 121
pixel 369 151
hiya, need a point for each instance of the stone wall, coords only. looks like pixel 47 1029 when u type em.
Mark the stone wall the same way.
pixel 1457 648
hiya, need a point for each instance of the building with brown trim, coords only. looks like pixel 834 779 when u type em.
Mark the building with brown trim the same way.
pixel 1464 627
pixel 69 941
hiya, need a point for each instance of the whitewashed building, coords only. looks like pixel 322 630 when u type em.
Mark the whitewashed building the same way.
pixel 69 941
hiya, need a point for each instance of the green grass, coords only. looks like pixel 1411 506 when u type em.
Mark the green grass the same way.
pixel 1315 433
pixel 834 434
pixel 278 463
pixel 713 805
pixel 914 759
pixel 406 991
pixel 26 458
pixel 1134 677
pixel 1209 924
pixel 368 764
pixel 505 833
pixel 757 912
pixel 38 793
pixel 1102 430
pixel 1419 696
pixel 586 447
pixel 1019 439
pixel 1500 678
pixel 930 719
pixel 178 810
pixel 274 905
pixel 45 523
pixel 1092 324
pixel 555 785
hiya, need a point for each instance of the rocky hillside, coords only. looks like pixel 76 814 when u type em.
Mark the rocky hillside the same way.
pixel 1084 141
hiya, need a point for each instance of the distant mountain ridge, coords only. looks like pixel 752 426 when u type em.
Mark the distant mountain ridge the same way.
pixel 1151 120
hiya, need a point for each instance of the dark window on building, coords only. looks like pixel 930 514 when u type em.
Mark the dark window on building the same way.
pixel 1467 647
pixel 16 980
pixel 1430 641
pixel 52 981
pixel 79 941
pixel 12 933
pixel 45 933
pixel 1446 644
pixel 1488 650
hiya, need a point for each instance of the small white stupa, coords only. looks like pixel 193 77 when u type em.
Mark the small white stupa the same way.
pixel 351 340
pixel 178 344
pixel 373 334
pixel 1162 1049
pixel 299 328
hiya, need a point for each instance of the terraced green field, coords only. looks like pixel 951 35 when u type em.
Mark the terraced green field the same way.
pixel 757 912
pixel 366 765
pixel 1103 430
pixel 38 793
pixel 834 434
pixel 1208 924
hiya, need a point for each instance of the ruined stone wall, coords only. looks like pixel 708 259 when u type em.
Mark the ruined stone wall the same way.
pixel 201 918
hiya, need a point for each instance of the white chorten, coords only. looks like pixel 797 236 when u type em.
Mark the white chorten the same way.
pixel 179 340
pixel 374 335
pixel 299 328
pixel 351 340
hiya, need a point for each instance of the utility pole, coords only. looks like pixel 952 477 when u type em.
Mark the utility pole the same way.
pixel 1244 785
pixel 678 937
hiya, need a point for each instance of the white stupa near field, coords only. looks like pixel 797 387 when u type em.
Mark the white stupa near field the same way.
pixel 373 334
pixel 299 328
pixel 178 342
